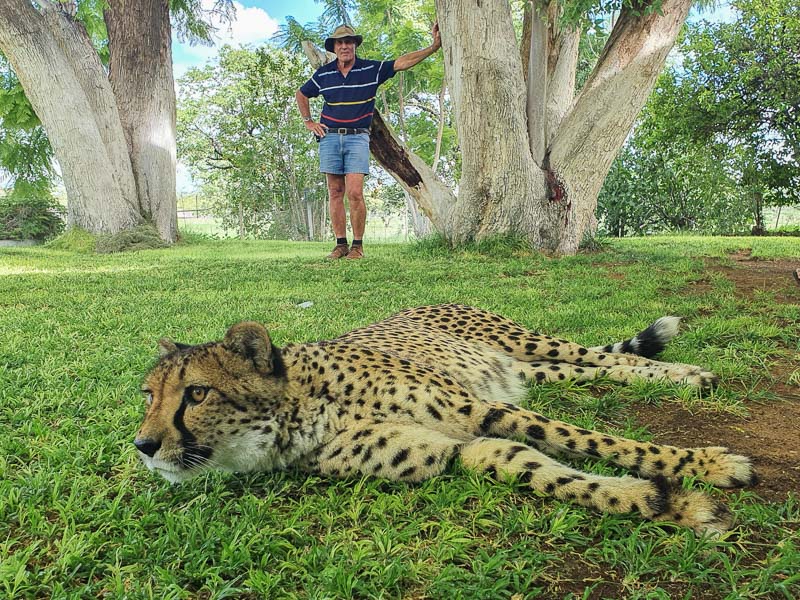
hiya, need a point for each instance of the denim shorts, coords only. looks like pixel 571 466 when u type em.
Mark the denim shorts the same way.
pixel 340 154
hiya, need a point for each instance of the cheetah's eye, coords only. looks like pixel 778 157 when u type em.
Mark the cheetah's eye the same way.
pixel 148 395
pixel 195 394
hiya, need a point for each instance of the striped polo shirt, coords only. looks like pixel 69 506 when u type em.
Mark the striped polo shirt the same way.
pixel 349 101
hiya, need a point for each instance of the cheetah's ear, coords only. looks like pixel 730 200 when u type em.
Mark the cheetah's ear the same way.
pixel 251 340
pixel 166 346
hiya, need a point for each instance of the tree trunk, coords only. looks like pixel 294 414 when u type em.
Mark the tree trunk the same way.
pixel 140 69
pixel 502 190
pixel 437 153
pixel 65 83
pixel 550 69
pixel 760 227
pixel 594 130
pixel 539 176
pixel 114 141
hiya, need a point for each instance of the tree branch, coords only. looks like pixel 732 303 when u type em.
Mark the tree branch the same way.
pixel 602 115
pixel 562 63
pixel 536 75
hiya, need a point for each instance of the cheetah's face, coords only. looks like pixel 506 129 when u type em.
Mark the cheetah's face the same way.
pixel 203 403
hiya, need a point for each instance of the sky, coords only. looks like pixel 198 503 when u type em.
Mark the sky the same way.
pixel 256 21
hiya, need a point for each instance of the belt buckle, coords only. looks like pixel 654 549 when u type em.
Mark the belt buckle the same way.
pixel 342 131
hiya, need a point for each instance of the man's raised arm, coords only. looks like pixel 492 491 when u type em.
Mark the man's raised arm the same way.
pixel 412 58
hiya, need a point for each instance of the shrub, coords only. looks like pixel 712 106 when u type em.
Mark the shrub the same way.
pixel 786 230
pixel 30 218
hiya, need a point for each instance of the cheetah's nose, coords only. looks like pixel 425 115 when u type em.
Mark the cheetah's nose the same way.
pixel 147 446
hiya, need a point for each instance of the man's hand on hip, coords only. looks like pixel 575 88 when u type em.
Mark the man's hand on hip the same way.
pixel 318 129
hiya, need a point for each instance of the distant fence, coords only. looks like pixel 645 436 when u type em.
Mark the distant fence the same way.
pixel 392 228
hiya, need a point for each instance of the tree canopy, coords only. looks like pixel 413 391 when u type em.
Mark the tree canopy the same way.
pixel 717 142
pixel 719 138
pixel 245 145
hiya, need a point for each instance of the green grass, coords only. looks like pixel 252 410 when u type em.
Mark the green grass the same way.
pixel 81 518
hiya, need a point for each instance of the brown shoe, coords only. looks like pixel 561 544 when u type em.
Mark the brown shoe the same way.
pixel 338 252
pixel 355 253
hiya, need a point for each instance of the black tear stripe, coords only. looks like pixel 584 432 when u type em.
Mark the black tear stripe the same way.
pixel 193 454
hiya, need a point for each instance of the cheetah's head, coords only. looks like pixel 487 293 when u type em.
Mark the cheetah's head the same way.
pixel 210 406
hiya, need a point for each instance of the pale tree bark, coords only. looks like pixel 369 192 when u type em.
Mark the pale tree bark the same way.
pixel 140 69
pixel 534 41
pixel 562 64
pixel 594 130
pixel 534 162
pixel 502 190
pixel 437 153
pixel 110 174
pixel 525 39
pixel 551 62
pixel 64 81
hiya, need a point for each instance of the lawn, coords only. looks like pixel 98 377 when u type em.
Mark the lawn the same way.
pixel 81 518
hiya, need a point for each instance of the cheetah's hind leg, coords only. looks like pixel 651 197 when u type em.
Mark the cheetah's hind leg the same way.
pixel 656 499
pixel 650 342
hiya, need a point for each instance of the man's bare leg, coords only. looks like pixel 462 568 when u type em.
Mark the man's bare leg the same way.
pixel 354 189
pixel 336 188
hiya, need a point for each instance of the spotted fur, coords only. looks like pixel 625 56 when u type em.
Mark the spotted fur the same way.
pixel 402 398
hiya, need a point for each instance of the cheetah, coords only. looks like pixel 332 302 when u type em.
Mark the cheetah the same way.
pixel 403 398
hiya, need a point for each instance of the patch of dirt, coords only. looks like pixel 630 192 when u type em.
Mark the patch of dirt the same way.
pixel 751 275
pixel 769 434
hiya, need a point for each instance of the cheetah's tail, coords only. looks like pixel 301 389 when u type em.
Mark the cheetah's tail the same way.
pixel 647 343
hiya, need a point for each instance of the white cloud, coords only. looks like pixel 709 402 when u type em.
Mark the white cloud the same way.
pixel 251 25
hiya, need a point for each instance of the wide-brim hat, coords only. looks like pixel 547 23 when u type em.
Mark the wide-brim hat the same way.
pixel 343 31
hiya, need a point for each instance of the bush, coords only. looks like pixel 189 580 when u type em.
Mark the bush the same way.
pixel 31 218
pixel 786 230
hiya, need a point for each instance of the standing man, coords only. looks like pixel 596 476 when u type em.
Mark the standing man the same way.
pixel 349 85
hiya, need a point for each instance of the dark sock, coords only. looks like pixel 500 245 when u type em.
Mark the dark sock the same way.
pixel 340 241
pixel 356 242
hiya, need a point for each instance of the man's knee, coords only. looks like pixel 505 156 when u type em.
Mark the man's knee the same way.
pixel 355 193
pixel 336 185
pixel 335 191
pixel 355 197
